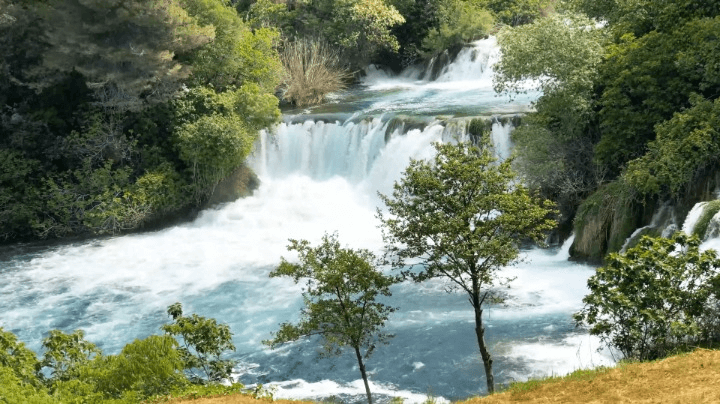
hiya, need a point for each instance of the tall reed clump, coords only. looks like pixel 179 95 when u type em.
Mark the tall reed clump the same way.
pixel 313 69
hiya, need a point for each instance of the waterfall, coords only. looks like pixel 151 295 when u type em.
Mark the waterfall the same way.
pixel 320 171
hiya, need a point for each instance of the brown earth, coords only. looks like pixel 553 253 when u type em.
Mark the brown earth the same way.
pixel 684 379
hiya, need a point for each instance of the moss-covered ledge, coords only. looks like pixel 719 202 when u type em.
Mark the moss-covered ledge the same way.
pixel 605 220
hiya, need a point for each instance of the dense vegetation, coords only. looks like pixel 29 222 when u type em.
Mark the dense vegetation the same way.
pixel 116 114
pixel 119 115
pixel 74 370
pixel 631 102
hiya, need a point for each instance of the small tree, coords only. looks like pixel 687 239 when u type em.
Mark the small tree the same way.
pixel 340 291
pixel 463 215
pixel 203 342
pixel 655 298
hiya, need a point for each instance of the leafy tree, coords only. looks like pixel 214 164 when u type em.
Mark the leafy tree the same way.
pixel 463 215
pixel 655 298
pixel 555 144
pixel 686 146
pixel 66 353
pixel 125 49
pixel 519 12
pixel 147 367
pixel 14 391
pixel 341 288
pixel 202 344
pixel 21 361
pixel 460 21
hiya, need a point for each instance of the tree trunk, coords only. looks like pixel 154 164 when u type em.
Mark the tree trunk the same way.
pixel 480 332
pixel 364 375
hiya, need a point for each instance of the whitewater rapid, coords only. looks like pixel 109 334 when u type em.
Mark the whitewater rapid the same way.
pixel 318 174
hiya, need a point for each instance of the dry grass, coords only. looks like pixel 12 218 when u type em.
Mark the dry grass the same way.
pixel 313 69
pixel 684 379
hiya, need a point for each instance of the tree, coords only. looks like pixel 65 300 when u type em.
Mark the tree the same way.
pixel 463 214
pixel 340 294
pixel 203 342
pixel 66 353
pixel 655 298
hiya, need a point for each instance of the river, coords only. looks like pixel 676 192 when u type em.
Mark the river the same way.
pixel 320 172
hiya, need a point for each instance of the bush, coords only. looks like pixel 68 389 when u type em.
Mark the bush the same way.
pixel 14 391
pixel 203 342
pixel 313 69
pixel 657 298
pixel 460 22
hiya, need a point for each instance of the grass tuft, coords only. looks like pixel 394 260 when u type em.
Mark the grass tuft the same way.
pixel 313 70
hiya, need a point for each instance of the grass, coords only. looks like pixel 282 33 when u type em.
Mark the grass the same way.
pixel 313 70
pixel 684 378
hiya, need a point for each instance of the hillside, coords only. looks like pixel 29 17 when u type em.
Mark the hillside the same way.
pixel 692 378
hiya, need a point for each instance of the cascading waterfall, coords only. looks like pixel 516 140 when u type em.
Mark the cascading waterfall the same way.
pixel 320 172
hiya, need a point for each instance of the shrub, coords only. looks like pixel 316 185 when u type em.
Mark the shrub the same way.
pixel 313 69
pixel 203 342
pixel 655 299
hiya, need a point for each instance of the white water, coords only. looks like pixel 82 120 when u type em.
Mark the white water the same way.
pixel 316 177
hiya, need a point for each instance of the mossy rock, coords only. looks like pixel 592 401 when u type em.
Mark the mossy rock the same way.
pixel 710 210
pixel 242 182
pixel 646 231
pixel 604 221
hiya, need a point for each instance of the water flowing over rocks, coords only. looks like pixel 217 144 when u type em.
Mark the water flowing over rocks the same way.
pixel 320 171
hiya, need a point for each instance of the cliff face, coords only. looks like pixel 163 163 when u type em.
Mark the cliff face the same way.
pixel 616 216
pixel 604 221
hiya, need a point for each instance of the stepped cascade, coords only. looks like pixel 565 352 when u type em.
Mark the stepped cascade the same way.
pixel 320 171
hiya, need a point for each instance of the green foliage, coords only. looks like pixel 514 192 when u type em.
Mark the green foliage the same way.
pixel 237 55
pixel 203 343
pixel 560 52
pixel 709 210
pixel 96 131
pixel 268 14
pixel 342 285
pixel 443 211
pixel 65 354
pixel 460 21
pixel 462 214
pixel 341 288
pixel 647 79
pixel 14 391
pixel 18 202
pixel 685 145
pixel 519 12
pixel 147 370
pixel 362 27
pixel 146 36
pixel 15 358
pixel 143 368
pixel 555 146
pixel 651 300
pixel 212 147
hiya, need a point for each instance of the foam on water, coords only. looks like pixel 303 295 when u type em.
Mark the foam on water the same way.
pixel 316 177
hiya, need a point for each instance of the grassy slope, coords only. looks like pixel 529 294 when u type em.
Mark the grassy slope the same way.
pixel 683 379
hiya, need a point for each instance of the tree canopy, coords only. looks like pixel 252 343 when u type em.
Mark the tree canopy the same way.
pixel 463 214
pixel 341 289
pixel 118 115
pixel 628 89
